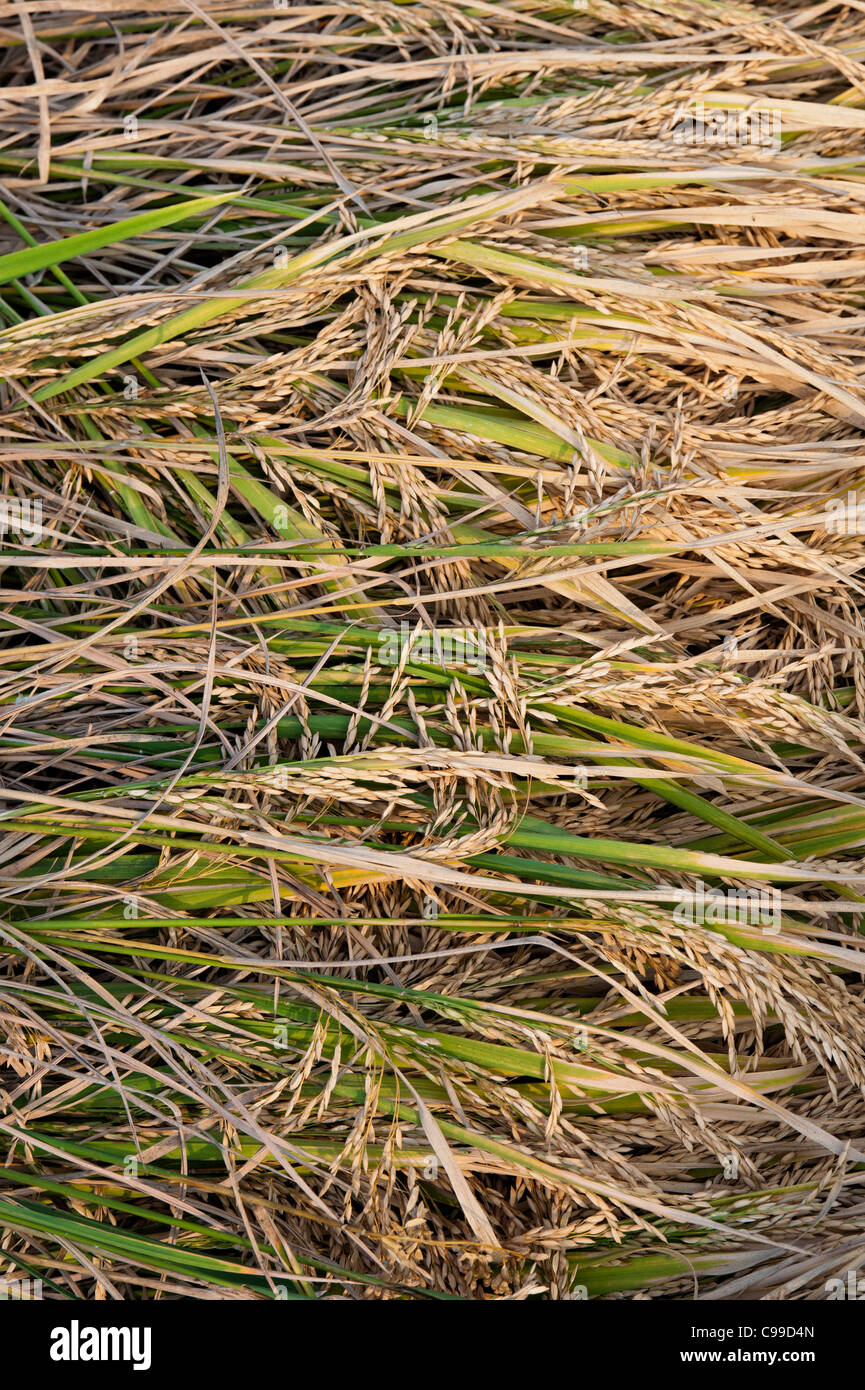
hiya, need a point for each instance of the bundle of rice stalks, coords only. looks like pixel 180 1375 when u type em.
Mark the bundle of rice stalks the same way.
pixel 433 684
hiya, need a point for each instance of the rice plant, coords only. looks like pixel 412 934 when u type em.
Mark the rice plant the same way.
pixel 433 709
